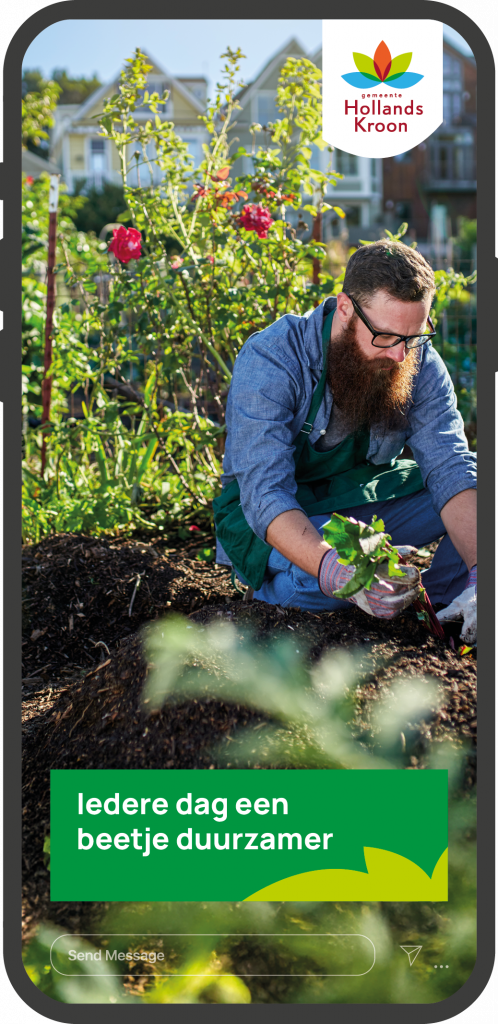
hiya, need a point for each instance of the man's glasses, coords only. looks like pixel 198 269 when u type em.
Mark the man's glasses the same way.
pixel 383 339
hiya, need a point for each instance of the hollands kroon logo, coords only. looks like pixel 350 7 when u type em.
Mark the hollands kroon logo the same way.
pixel 382 69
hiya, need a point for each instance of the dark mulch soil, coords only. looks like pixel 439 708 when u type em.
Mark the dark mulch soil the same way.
pixel 83 673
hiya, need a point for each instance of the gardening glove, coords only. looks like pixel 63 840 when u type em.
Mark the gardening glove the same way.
pixel 387 597
pixel 464 607
pixel 405 550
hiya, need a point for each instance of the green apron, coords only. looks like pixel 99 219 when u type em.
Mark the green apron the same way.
pixel 327 482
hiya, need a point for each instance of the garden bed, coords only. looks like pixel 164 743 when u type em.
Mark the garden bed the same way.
pixel 83 671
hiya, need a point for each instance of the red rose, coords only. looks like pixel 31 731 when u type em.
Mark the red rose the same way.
pixel 126 244
pixel 29 180
pixel 176 262
pixel 255 217
pixel 193 527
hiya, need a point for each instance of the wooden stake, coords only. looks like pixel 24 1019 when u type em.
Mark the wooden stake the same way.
pixel 317 237
pixel 53 198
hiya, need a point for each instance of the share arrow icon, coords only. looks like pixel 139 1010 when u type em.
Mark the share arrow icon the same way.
pixel 412 952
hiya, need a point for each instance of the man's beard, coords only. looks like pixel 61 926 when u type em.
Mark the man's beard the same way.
pixel 368 391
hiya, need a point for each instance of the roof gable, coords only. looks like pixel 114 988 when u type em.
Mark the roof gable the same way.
pixel 292 48
pixel 92 106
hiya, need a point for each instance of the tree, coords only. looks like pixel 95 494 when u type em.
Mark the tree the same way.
pixel 75 90
pixel 72 90
pixel 37 114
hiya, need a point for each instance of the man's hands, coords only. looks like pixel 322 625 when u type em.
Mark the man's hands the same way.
pixel 387 596
pixel 464 607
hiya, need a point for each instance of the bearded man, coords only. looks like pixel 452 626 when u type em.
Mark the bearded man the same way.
pixel 319 411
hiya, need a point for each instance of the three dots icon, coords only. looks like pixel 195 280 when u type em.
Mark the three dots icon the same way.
pixel 441 965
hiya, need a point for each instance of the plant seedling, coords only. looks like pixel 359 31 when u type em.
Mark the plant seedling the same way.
pixel 365 547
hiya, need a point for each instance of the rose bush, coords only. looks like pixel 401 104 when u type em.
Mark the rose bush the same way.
pixel 190 276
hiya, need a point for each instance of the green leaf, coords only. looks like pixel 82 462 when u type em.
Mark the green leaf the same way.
pixel 102 464
pixel 150 387
pixel 365 65
pixel 149 455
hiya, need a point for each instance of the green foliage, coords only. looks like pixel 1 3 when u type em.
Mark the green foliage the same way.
pixel 32 80
pixel 466 239
pixel 363 546
pixel 46 852
pixel 284 165
pixel 84 255
pixel 311 720
pixel 162 331
pixel 37 112
pixel 103 206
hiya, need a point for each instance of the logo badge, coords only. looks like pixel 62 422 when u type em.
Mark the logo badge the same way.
pixel 393 101
pixel 383 67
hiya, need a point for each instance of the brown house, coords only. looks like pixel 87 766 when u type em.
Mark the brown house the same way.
pixel 434 185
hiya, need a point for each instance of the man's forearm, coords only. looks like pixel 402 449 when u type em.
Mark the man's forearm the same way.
pixel 459 516
pixel 292 534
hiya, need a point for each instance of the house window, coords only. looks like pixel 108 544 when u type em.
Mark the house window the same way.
pixel 151 165
pixel 452 88
pixel 316 158
pixel 97 156
pixel 403 210
pixel 198 89
pixel 345 163
pixel 267 110
pixel 195 150
pixel 353 215
pixel 452 73
pixel 452 107
pixel 452 157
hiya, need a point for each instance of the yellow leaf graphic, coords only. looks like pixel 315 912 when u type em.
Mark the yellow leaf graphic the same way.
pixel 389 877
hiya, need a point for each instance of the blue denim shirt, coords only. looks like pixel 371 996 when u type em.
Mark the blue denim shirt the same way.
pixel 274 377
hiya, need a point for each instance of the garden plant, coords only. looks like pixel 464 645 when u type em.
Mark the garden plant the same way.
pixel 367 547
